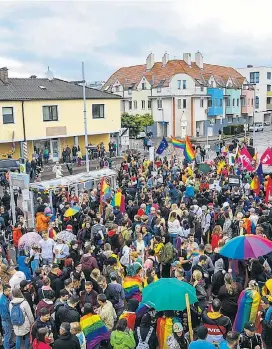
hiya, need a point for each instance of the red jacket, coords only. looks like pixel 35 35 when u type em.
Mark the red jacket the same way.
pixel 16 235
pixel 40 345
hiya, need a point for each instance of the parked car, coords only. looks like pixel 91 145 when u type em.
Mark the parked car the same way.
pixel 141 135
pixel 258 127
pixel 266 123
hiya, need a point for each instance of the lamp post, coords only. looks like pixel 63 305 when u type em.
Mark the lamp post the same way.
pixel 83 82
pixel 254 105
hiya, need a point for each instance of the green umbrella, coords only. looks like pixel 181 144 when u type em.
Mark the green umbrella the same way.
pixel 168 294
pixel 204 168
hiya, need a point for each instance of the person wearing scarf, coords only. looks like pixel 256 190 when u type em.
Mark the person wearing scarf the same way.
pixel 133 283
pixel 93 327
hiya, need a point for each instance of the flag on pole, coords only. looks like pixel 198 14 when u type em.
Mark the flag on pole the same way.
pixel 246 160
pixel 178 143
pixel 104 192
pixel 260 173
pixel 266 158
pixel 255 185
pixel 189 152
pixel 268 192
pixel 163 145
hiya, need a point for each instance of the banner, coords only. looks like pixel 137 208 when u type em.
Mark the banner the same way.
pixel 246 160
pixel 266 158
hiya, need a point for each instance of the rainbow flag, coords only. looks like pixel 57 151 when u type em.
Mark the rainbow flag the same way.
pixel 130 317
pixel 189 152
pixel 164 330
pixel 118 200
pixel 178 143
pixel 132 286
pixel 94 330
pixel 104 192
pixel 248 306
pixel 142 309
pixel 192 253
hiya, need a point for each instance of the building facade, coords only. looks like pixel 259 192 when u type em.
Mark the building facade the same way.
pixel 261 79
pixel 38 113
pixel 184 97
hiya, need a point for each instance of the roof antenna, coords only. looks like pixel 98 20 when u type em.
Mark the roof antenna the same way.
pixel 49 74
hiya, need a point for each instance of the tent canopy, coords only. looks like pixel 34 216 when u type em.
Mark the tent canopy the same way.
pixel 74 179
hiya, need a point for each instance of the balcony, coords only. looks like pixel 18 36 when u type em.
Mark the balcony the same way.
pixel 269 94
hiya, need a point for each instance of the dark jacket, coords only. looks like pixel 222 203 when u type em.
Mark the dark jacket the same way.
pixel 229 301
pixel 217 324
pixel 217 282
pixel 40 324
pixel 67 314
pixel 74 254
pixel 56 284
pixel 66 341
pixel 28 298
pixel 88 298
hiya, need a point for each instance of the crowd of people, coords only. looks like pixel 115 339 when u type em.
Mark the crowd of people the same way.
pixel 87 292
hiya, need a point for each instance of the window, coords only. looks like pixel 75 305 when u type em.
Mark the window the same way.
pixel 202 88
pixel 179 103
pixel 158 89
pixel 117 88
pixel 216 102
pixel 201 103
pixel 8 117
pixel 268 75
pixel 129 105
pixel 184 103
pixel 257 100
pixel 221 102
pixel 159 103
pixel 179 84
pixel 238 102
pixel 98 111
pixel 50 113
pixel 268 88
pixel 149 104
pixel 233 102
pixel 268 100
pixel 143 104
pixel 135 104
pixel 252 102
pixel 248 102
pixel 143 86
pixel 254 77
pixel 228 102
pixel 210 103
pixel 130 91
pixel 243 102
pixel 184 84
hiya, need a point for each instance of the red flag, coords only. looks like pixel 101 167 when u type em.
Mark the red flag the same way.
pixel 268 192
pixel 246 160
pixel 266 158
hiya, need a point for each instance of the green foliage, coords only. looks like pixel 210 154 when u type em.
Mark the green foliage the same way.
pixel 136 123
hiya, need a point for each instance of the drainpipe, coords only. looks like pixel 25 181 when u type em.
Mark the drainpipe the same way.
pixel 174 117
pixel 25 152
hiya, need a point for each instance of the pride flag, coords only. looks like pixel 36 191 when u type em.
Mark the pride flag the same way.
pixel 255 185
pixel 178 143
pixel 248 307
pixel 189 152
pixel 94 330
pixel 164 330
pixel 132 286
pixel 105 192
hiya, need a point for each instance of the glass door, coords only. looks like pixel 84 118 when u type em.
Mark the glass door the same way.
pixel 55 149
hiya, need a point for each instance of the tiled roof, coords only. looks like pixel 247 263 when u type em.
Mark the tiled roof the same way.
pixel 43 89
pixel 159 72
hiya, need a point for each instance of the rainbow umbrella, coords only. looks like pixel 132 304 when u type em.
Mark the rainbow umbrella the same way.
pixel 246 247
pixel 71 211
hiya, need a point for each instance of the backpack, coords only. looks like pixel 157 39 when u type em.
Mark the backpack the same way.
pixel 16 315
pixel 155 265
pixel 143 344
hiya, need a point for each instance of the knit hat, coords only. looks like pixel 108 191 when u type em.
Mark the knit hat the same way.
pixel 69 227
pixel 177 327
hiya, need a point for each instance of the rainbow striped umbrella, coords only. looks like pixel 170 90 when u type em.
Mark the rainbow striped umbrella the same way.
pixel 246 247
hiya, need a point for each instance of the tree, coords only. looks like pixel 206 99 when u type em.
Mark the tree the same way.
pixel 147 120
pixel 136 123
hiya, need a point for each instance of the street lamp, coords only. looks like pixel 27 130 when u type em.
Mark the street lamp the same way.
pixel 83 82
pixel 254 103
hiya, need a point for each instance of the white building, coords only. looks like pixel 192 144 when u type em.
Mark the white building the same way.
pixel 184 97
pixel 261 77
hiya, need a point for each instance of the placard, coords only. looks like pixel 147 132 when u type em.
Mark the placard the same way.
pixel 25 193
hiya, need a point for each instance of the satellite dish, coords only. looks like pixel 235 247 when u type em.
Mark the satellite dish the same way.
pixel 49 74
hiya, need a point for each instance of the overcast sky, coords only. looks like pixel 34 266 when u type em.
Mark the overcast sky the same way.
pixel 111 34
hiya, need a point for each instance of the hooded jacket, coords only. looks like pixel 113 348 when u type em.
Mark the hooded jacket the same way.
pixel 88 262
pixel 122 340
pixel 107 314
pixel 16 235
pixel 66 341
pixel 218 326
pixel 22 266
pixel 41 222
pixel 29 319
pixel 4 308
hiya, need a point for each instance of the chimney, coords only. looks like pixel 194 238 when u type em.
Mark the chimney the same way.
pixel 33 76
pixel 150 61
pixel 199 60
pixel 187 58
pixel 4 75
pixel 165 59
